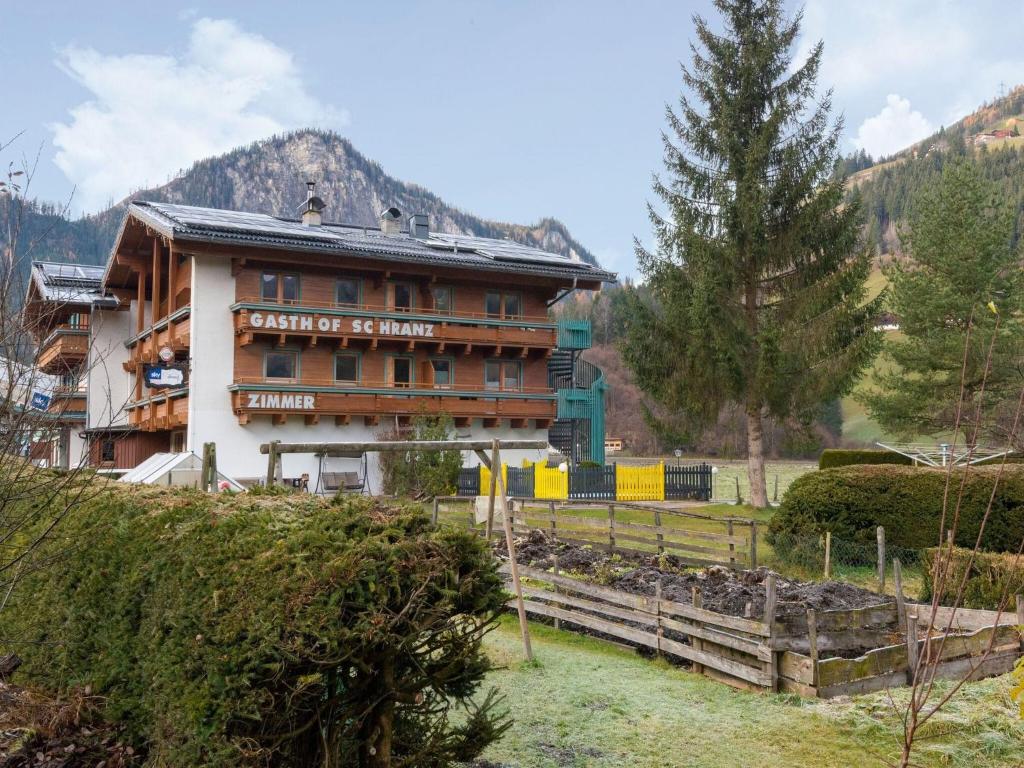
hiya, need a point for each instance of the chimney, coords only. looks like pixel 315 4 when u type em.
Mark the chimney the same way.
pixel 391 221
pixel 419 226
pixel 312 209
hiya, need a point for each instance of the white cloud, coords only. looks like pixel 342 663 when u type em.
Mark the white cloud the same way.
pixel 150 116
pixel 896 127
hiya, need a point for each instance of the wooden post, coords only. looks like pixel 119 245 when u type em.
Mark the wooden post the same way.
pixel 611 529
pixel 155 303
pixel 558 621
pixel 204 474
pixel 554 527
pixel 732 547
pixel 880 537
pixel 775 496
pixel 1020 617
pixel 657 613
pixel 698 602
pixel 661 536
pixel 753 544
pixel 812 637
pixel 212 470
pixel 272 460
pixel 770 601
pixel 434 513
pixel 513 565
pixel 912 649
pixel 828 554
pixel 897 579
pixel 495 471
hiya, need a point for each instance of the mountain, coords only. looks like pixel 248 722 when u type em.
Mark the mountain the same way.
pixel 269 177
pixel 991 137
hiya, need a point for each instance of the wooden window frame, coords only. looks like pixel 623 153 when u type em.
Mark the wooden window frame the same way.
pixel 359 368
pixel 391 305
pixel 296 352
pixel 501 294
pixel 451 371
pixel 501 362
pixel 279 274
pixel 451 300
pixel 359 291
pixel 389 371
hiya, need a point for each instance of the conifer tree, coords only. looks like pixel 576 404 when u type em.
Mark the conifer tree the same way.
pixel 758 278
pixel 959 301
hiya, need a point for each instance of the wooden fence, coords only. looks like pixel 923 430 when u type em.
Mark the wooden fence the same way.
pixel 779 653
pixel 630 528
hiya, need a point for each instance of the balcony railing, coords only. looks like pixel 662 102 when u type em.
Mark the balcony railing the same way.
pixel 164 411
pixel 66 347
pixel 373 399
pixel 376 325
pixel 173 332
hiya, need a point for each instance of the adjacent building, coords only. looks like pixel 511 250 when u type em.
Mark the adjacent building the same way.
pixel 241 328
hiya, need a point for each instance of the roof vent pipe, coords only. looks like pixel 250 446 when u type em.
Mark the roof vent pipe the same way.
pixel 391 221
pixel 419 226
pixel 311 211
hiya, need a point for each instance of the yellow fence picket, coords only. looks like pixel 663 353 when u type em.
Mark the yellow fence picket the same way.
pixel 485 478
pixel 549 482
pixel 646 483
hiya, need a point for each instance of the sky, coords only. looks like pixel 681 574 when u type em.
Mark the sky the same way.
pixel 509 109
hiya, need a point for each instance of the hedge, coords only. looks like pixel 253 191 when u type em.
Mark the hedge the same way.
pixel 907 501
pixel 993 577
pixel 265 630
pixel 843 457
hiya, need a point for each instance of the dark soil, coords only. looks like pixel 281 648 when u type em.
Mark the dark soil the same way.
pixel 722 590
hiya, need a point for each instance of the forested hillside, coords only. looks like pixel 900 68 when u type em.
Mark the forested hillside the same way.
pixel 269 177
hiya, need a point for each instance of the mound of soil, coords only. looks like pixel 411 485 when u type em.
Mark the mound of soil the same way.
pixel 722 589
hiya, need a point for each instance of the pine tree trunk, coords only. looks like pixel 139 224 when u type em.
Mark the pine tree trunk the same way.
pixel 755 458
pixel 375 734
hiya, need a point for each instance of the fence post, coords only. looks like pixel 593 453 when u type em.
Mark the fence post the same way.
pixel 495 468
pixel 698 602
pixel 912 649
pixel 880 536
pixel 661 536
pixel 272 463
pixel 1020 616
pixel 554 532
pixel 732 547
pixel 434 513
pixel 657 613
pixel 753 545
pixel 770 601
pixel 897 580
pixel 611 528
pixel 828 555
pixel 558 621
pixel 812 637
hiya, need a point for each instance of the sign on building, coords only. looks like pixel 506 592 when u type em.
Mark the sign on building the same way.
pixel 40 401
pixel 159 377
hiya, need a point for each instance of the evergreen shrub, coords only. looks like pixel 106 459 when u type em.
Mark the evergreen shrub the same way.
pixel 907 501
pixel 989 578
pixel 842 457
pixel 228 630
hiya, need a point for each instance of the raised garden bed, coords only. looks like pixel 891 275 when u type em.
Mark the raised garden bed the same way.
pixel 753 629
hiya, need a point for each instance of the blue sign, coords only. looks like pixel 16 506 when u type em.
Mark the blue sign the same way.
pixel 157 376
pixel 40 401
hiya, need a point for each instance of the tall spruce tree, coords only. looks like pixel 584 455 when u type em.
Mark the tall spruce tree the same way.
pixel 959 301
pixel 758 280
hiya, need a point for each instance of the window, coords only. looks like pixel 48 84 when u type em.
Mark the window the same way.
pixel 346 368
pixel 107 451
pixel 349 292
pixel 401 297
pixel 280 287
pixel 442 298
pixel 501 304
pixel 442 370
pixel 281 364
pixel 504 375
pixel 401 371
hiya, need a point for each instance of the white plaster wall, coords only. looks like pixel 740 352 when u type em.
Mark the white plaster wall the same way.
pixel 109 385
pixel 78 449
pixel 210 418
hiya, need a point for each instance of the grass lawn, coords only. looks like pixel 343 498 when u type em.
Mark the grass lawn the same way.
pixel 585 702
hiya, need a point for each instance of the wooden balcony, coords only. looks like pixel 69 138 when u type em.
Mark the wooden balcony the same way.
pixel 371 401
pixel 65 349
pixel 68 404
pixel 173 332
pixel 372 326
pixel 167 410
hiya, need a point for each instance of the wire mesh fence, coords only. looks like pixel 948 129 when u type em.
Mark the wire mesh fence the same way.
pixel 828 557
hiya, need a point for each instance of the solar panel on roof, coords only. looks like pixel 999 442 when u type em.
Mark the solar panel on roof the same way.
pixel 239 220
pixel 502 250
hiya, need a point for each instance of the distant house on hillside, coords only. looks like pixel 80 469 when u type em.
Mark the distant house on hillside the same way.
pixel 999 133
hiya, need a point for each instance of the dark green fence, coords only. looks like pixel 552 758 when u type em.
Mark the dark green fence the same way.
pixel 688 482
pixel 592 482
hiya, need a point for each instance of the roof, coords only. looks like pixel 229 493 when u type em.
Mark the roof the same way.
pixel 186 223
pixel 69 283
